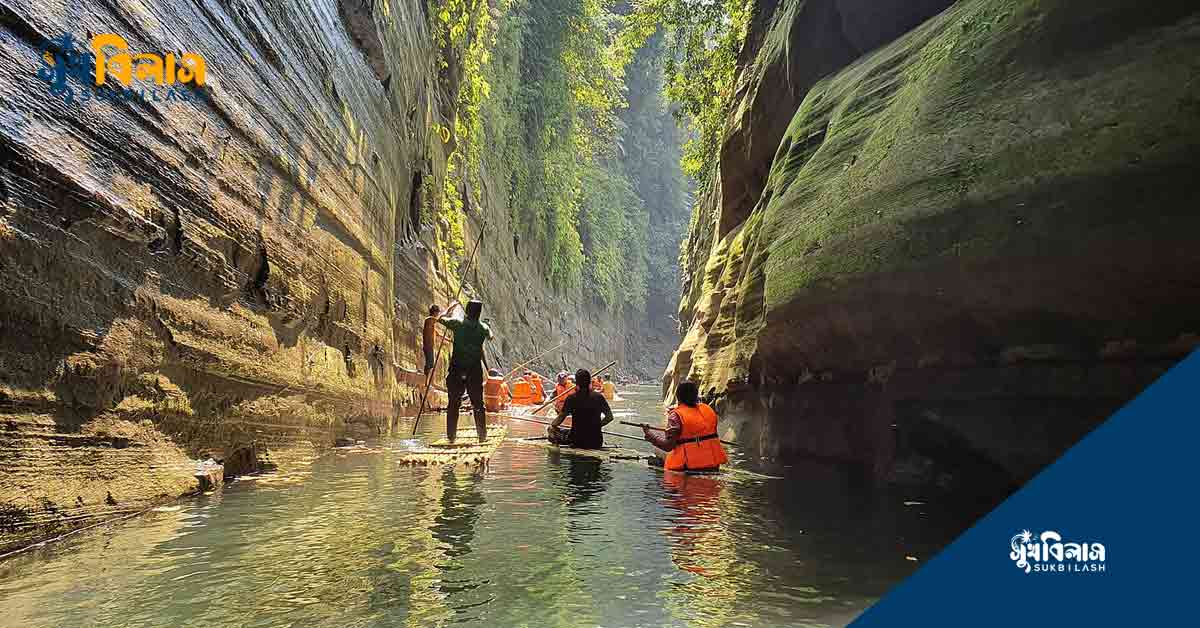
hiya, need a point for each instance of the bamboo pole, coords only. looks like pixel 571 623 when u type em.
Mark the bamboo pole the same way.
pixel 535 359
pixel 724 442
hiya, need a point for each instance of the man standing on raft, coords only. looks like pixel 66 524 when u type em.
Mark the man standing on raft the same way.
pixel 466 371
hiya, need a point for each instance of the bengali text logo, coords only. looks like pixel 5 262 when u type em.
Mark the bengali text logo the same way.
pixel 108 70
pixel 1047 553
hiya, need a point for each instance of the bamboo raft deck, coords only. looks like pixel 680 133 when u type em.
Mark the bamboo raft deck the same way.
pixel 466 449
pixel 625 454
pixel 608 454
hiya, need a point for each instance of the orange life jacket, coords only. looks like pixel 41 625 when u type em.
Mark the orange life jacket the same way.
pixel 610 391
pixel 495 394
pixel 698 446
pixel 539 393
pixel 522 393
pixel 559 391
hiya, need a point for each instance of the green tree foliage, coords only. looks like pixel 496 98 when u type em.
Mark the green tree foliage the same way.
pixel 541 113
pixel 704 38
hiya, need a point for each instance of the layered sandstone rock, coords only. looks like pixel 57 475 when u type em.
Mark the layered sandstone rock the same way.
pixel 242 277
pixel 973 243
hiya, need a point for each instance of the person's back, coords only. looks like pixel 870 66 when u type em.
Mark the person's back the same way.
pixel 428 337
pixel 522 392
pixel 539 393
pixel 494 392
pixel 690 438
pixel 469 336
pixel 589 414
pixel 465 374
pixel 586 408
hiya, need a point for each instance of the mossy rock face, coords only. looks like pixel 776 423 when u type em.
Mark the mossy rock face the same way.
pixel 1010 179
pixel 792 44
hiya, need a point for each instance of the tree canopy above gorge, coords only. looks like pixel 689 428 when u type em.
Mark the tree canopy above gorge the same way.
pixel 589 117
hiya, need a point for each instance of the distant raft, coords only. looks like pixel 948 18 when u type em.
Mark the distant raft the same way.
pixel 466 449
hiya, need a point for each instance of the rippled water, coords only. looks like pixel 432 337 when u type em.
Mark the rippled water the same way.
pixel 537 539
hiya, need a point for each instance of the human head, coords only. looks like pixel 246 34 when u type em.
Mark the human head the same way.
pixel 474 309
pixel 583 379
pixel 493 373
pixel 688 393
pixel 434 310
pixel 607 377
pixel 561 377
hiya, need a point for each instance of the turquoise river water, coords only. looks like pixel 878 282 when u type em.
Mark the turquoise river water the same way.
pixel 535 539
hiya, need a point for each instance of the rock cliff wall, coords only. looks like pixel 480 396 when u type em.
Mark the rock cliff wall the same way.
pixel 963 249
pixel 240 275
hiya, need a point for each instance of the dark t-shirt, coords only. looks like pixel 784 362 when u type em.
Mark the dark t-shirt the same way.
pixel 469 337
pixel 585 409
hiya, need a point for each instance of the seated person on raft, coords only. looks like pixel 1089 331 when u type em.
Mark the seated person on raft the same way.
pixel 690 439
pixel 609 389
pixel 589 414
pixel 496 396
pixel 562 390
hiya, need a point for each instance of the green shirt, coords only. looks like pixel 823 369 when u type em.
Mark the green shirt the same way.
pixel 469 337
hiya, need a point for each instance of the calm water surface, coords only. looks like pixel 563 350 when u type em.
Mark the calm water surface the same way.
pixel 536 539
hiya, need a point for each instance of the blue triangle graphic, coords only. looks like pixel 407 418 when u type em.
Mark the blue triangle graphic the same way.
pixel 1130 485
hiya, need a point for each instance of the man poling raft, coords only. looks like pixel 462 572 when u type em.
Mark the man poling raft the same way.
pixel 466 372
pixel 690 438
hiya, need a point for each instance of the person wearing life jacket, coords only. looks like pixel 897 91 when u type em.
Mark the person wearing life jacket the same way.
pixel 495 392
pixel 535 383
pixel 522 392
pixel 562 389
pixel 597 384
pixel 609 389
pixel 690 439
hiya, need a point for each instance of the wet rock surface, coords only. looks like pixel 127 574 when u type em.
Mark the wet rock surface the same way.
pixel 969 246
pixel 242 276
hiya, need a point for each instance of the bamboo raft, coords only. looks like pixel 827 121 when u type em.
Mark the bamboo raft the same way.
pixel 466 449
pixel 627 455
pixel 608 454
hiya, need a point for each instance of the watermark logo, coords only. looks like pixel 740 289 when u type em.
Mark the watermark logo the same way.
pixel 1047 553
pixel 109 62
